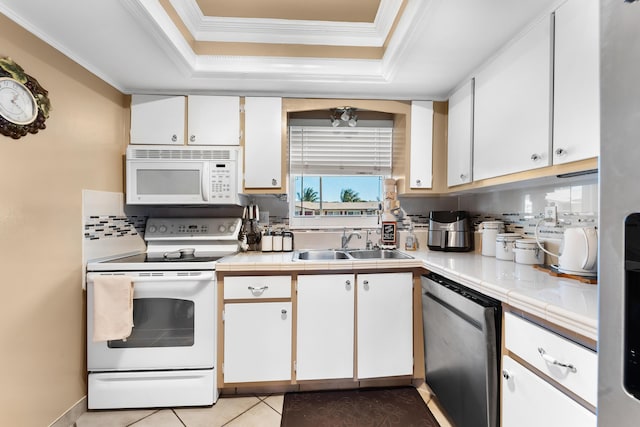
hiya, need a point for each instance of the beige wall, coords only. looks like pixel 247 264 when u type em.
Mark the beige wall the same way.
pixel 42 332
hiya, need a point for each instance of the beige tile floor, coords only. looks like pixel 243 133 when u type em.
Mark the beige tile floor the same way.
pixel 232 411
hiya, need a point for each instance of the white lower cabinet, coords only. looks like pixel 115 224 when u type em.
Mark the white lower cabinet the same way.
pixel 257 342
pixel 385 325
pixel 528 400
pixel 325 326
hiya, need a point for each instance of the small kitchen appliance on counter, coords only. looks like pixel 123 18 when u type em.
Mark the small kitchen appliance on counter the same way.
pixel 449 231
pixel 169 359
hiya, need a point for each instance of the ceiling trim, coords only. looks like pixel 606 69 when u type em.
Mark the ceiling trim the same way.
pixel 262 30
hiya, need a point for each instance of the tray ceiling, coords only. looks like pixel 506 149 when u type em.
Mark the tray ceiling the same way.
pixel 396 49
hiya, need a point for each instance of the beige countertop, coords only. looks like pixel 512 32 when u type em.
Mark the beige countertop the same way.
pixel 564 302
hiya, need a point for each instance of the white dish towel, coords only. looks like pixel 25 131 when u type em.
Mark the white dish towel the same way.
pixel 112 307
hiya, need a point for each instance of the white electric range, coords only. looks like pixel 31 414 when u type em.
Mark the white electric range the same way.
pixel 169 359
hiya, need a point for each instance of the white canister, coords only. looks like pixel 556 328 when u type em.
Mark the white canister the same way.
pixel 267 241
pixel 526 251
pixel 277 241
pixel 505 244
pixel 287 241
pixel 490 230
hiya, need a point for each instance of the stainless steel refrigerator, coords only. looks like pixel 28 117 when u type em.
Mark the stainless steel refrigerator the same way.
pixel 619 257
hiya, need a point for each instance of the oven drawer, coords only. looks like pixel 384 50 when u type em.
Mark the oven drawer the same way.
pixel 257 287
pixel 548 352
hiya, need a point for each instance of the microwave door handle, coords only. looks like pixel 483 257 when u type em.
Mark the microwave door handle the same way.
pixel 204 190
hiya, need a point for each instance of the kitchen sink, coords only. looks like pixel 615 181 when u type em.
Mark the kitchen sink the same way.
pixel 348 255
pixel 378 254
pixel 320 255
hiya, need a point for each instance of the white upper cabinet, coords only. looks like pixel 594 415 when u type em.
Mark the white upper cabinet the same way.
pixel 512 107
pixel 157 119
pixel 576 124
pixel 213 120
pixel 421 161
pixel 263 142
pixel 460 139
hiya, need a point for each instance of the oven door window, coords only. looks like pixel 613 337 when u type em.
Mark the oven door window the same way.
pixel 160 322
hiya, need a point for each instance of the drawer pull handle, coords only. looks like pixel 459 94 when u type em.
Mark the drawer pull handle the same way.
pixel 550 359
pixel 258 291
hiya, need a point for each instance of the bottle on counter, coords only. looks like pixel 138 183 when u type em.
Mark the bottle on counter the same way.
pixel 411 243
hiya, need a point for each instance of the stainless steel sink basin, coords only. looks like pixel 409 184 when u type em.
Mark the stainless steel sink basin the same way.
pixel 320 255
pixel 348 255
pixel 378 254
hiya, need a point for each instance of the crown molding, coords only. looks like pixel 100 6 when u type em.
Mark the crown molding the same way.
pixel 260 30
pixel 162 28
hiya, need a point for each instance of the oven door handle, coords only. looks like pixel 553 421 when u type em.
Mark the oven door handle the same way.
pixel 205 276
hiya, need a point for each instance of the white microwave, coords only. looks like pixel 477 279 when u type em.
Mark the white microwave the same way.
pixel 183 175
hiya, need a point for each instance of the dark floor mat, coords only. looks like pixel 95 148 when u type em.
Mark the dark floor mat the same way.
pixel 375 407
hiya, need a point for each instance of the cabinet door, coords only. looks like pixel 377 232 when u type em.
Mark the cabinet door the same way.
pixel 157 119
pixel 460 136
pixel 325 326
pixel 529 401
pixel 420 164
pixel 512 107
pixel 257 342
pixel 576 110
pixel 213 120
pixel 385 325
pixel 263 142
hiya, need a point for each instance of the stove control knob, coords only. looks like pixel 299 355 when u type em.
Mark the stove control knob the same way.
pixel 152 229
pixel 222 228
pixel 163 229
pixel 232 228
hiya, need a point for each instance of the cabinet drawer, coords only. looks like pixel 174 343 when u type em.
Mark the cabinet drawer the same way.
pixel 529 401
pixel 547 352
pixel 257 287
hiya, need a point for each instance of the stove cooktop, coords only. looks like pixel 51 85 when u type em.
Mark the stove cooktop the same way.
pixel 179 244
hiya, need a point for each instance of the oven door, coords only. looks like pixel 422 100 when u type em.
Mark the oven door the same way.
pixel 167 182
pixel 174 324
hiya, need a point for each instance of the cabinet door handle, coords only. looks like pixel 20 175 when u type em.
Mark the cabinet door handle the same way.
pixel 535 157
pixel 192 138
pixel 550 359
pixel 174 137
pixel 561 152
pixel 418 182
pixel 283 311
pixel 463 176
pixel 506 374
pixel 365 285
pixel 274 182
pixel 258 291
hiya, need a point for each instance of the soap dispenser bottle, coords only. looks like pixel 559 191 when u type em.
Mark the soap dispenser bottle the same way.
pixel 411 243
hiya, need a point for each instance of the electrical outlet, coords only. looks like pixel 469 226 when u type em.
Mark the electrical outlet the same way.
pixel 551 214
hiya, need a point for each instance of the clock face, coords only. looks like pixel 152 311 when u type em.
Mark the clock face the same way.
pixel 17 104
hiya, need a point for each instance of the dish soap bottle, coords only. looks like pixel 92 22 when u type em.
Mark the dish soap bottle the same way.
pixel 411 244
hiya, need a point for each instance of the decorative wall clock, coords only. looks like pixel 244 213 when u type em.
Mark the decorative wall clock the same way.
pixel 24 104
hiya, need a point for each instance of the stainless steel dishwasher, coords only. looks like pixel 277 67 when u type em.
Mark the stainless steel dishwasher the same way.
pixel 462 347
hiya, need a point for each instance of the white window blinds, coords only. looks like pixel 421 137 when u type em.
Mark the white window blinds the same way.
pixel 340 151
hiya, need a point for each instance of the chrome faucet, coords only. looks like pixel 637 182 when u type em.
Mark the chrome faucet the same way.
pixel 346 239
